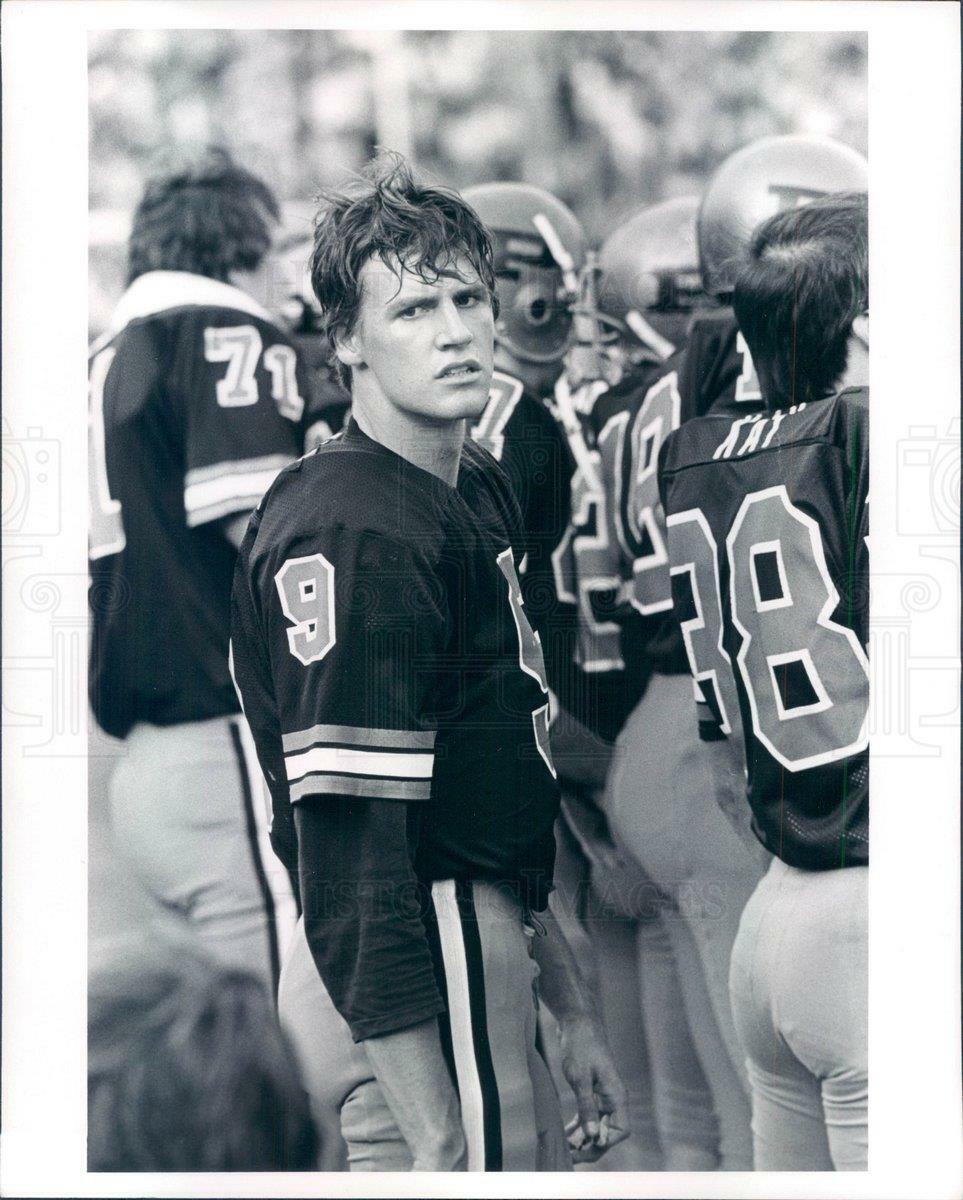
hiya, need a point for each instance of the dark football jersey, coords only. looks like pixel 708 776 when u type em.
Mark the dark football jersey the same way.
pixel 382 651
pixel 767 525
pixel 195 405
pixel 520 431
pixel 716 371
pixel 711 372
pixel 608 676
pixel 522 434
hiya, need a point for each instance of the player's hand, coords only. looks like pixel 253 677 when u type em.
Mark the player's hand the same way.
pixel 602 1120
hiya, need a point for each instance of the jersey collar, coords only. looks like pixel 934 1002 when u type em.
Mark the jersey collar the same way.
pixel 353 433
pixel 159 291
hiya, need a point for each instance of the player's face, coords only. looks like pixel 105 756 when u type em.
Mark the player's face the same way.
pixel 427 348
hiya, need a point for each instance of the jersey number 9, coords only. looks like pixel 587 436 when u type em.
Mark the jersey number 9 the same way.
pixel 306 588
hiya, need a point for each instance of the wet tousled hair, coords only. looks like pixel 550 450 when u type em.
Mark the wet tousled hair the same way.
pixel 805 281
pixel 390 214
pixel 207 215
pixel 188 1070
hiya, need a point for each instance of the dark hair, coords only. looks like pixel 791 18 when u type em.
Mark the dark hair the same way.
pixel 388 213
pixel 796 297
pixel 188 1070
pixel 208 215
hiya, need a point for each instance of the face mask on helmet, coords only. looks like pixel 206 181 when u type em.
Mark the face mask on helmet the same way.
pixel 534 320
pixel 595 353
pixel 649 283
pixel 539 250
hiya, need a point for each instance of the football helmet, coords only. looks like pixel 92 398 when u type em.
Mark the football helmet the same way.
pixel 649 276
pixel 539 251
pixel 760 180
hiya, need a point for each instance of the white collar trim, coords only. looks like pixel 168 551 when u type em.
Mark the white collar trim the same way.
pixel 158 291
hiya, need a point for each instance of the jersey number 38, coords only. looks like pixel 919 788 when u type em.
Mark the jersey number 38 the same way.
pixel 806 677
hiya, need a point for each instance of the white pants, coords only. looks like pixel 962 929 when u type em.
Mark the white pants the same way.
pixel 631 966
pixel 189 816
pixel 664 798
pixel 510 1109
pixel 799 996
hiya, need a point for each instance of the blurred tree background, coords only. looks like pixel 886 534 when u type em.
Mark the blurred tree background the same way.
pixel 608 121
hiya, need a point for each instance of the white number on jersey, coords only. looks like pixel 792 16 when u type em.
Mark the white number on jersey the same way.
pixel 281 361
pixel 240 347
pixel 792 626
pixel 587 560
pixel 694 554
pixel 530 657
pixel 306 588
pixel 655 420
pixel 783 617
pixel 747 385
pixel 503 396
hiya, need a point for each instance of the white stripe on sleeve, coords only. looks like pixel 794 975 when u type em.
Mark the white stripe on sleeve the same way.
pixel 349 761
pixel 226 493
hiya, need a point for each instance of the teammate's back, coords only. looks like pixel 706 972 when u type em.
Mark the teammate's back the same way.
pixel 196 401
pixel 195 405
pixel 767 528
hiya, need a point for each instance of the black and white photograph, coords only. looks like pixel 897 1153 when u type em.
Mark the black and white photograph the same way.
pixel 475 642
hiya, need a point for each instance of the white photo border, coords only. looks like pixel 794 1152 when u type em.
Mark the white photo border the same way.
pixel 914 138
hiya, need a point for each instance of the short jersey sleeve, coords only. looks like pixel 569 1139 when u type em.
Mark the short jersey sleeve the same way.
pixel 242 388
pixel 355 624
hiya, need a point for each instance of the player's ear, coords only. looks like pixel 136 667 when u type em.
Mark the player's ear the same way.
pixel 348 350
pixel 857 354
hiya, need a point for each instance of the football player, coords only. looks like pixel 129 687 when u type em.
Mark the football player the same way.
pixel 540 258
pixel 196 402
pixel 645 294
pixel 767 538
pixel 539 249
pixel 763 178
pixel 649 285
pixel 658 798
pixel 397 696
pixel 714 371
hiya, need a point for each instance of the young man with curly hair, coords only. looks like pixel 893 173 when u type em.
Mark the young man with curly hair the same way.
pixel 397 696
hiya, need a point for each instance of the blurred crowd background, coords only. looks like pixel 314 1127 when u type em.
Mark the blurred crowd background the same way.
pixel 608 121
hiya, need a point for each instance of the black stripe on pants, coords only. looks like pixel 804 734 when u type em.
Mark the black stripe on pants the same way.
pixel 252 840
